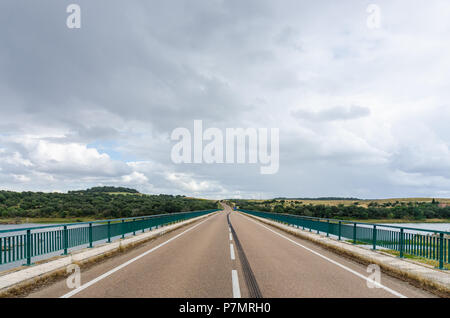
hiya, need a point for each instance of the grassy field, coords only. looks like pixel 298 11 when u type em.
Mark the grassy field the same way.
pixel 122 193
pixel 419 259
pixel 363 203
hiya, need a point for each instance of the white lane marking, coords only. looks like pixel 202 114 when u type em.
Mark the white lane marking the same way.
pixel 393 292
pixel 229 230
pixel 231 237
pixel 112 271
pixel 235 281
pixel 232 252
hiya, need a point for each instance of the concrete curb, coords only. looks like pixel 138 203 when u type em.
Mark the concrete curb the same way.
pixel 433 280
pixel 29 276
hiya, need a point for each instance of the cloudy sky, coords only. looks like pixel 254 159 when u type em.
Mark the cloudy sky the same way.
pixel 362 111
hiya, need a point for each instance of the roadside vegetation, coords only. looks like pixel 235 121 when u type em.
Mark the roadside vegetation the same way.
pixel 423 260
pixel 94 203
pixel 375 211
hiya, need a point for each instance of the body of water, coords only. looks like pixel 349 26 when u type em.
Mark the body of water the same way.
pixel 444 227
pixel 19 226
pixel 427 226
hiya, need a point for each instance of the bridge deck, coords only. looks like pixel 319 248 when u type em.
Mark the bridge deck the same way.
pixel 197 262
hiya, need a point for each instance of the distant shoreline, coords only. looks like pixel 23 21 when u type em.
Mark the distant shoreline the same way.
pixel 398 220
pixel 9 221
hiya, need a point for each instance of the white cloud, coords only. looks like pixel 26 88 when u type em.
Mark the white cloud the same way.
pixel 333 113
pixel 135 178
pixel 402 178
pixel 21 178
pixel 67 158
pixel 189 183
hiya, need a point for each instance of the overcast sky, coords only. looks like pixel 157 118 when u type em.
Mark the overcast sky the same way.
pixel 362 112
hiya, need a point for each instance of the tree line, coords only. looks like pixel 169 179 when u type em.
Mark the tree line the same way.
pixel 96 203
pixel 395 210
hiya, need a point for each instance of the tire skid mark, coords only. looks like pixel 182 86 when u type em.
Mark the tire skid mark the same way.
pixel 250 279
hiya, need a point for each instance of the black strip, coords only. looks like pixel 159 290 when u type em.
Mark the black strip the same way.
pixel 250 279
pixel 176 307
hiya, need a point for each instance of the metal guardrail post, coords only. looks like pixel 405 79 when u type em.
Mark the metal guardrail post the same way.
pixel 90 235
pixel 401 243
pixel 143 228
pixel 29 247
pixel 134 226
pixel 328 228
pixel 441 251
pixel 123 228
pixel 65 240
pixel 340 230
pixel 109 231
pixel 374 238
pixel 354 233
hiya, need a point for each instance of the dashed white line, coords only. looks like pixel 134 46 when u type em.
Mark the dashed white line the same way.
pixel 232 252
pixel 112 271
pixel 393 292
pixel 235 281
pixel 231 237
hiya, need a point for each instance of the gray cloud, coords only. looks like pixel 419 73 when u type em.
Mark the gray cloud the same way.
pixel 333 113
pixel 97 105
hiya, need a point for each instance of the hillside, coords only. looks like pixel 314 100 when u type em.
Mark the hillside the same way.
pixel 100 202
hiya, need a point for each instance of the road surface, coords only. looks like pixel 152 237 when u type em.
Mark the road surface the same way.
pixel 229 255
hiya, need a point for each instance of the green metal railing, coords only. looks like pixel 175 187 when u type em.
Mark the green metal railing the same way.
pixel 434 245
pixel 41 240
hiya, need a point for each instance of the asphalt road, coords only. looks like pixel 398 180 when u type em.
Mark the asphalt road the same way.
pixel 229 255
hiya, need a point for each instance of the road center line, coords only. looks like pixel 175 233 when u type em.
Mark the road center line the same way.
pixel 232 252
pixel 112 271
pixel 393 292
pixel 231 237
pixel 235 281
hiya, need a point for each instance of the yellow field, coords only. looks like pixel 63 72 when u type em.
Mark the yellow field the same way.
pixel 363 203
pixel 123 193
